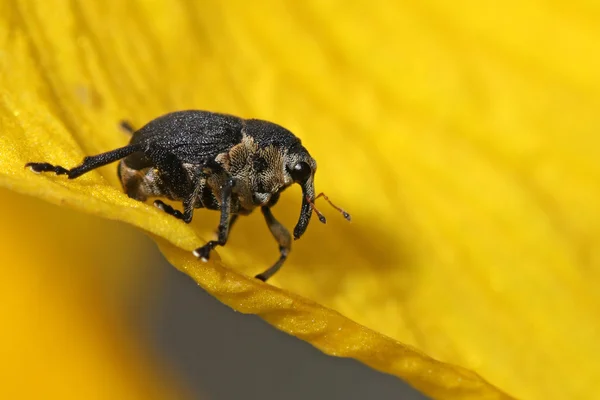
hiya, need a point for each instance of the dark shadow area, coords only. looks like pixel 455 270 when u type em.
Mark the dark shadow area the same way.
pixel 226 355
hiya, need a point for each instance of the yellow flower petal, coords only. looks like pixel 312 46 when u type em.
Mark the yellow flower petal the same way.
pixel 462 138
pixel 63 336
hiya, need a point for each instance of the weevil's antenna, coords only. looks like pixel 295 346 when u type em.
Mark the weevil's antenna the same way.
pixel 323 195
pixel 312 205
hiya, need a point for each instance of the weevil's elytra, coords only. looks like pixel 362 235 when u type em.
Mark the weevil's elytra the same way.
pixel 214 161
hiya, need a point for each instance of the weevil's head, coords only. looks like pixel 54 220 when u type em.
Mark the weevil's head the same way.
pixel 267 161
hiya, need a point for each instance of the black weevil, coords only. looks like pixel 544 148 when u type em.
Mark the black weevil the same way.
pixel 215 161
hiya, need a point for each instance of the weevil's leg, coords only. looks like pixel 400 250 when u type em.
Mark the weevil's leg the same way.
pixel 168 209
pixel 232 220
pixel 188 204
pixel 281 234
pixel 88 164
pixel 127 127
pixel 223 230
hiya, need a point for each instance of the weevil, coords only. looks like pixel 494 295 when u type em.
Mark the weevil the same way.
pixel 216 161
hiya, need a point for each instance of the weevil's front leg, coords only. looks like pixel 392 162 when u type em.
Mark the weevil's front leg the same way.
pixel 223 230
pixel 88 164
pixel 281 234
pixel 232 221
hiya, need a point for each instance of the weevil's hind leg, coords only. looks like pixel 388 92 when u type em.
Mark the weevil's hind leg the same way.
pixel 223 230
pixel 88 164
pixel 281 234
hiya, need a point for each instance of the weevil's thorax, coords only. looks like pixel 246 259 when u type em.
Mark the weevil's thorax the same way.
pixel 260 163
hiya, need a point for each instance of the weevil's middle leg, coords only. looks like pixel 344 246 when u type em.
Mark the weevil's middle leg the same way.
pixel 281 234
pixel 168 209
pixel 188 202
pixel 223 230
pixel 188 205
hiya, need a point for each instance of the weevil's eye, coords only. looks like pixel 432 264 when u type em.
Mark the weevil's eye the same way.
pixel 300 172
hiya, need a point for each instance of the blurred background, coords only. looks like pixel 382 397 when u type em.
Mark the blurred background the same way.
pixel 136 305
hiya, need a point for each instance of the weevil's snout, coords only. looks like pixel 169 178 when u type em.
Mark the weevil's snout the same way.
pixel 308 195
